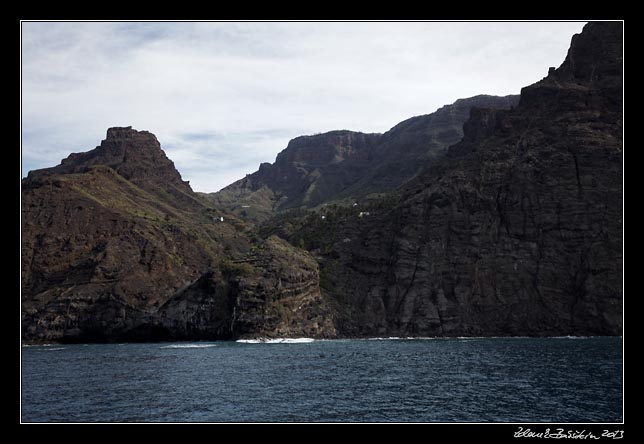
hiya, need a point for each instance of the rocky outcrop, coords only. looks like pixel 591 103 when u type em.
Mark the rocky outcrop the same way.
pixel 134 155
pixel 115 246
pixel 273 292
pixel 346 165
pixel 516 231
pixel 278 294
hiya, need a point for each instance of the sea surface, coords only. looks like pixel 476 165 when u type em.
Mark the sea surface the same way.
pixel 387 380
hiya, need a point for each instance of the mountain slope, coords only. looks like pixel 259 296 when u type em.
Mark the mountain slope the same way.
pixel 115 246
pixel 346 165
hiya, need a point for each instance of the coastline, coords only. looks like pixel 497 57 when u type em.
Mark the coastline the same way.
pixel 296 340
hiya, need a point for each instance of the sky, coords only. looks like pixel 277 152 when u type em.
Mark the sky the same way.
pixel 222 97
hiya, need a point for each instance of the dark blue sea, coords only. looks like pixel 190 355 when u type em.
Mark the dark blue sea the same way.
pixel 419 380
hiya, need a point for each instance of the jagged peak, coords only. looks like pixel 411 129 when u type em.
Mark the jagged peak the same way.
pixel 594 63
pixel 594 54
pixel 589 80
pixel 135 155
pixel 127 133
pixel 121 145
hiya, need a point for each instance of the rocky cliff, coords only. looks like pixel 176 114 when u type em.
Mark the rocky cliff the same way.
pixel 115 246
pixel 516 231
pixel 347 165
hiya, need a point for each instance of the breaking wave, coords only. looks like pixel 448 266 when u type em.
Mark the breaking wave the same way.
pixel 276 341
pixel 397 338
pixel 189 346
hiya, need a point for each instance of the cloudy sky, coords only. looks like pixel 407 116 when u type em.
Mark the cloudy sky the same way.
pixel 224 97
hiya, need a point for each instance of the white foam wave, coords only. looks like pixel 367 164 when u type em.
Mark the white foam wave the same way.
pixel 189 346
pixel 54 349
pixel 396 338
pixel 276 341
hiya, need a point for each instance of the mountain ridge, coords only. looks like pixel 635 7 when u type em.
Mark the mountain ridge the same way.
pixel 345 165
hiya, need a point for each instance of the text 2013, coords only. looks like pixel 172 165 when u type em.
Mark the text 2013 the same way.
pixel 567 434
pixel 614 434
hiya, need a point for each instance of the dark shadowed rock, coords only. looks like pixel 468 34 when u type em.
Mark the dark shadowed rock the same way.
pixel 516 231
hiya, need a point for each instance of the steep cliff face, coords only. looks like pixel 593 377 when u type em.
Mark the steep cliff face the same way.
pixel 280 295
pixel 113 241
pixel 345 165
pixel 516 231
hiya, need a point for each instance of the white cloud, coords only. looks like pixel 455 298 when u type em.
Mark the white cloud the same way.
pixel 223 97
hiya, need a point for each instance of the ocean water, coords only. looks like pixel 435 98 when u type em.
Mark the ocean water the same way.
pixel 393 380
